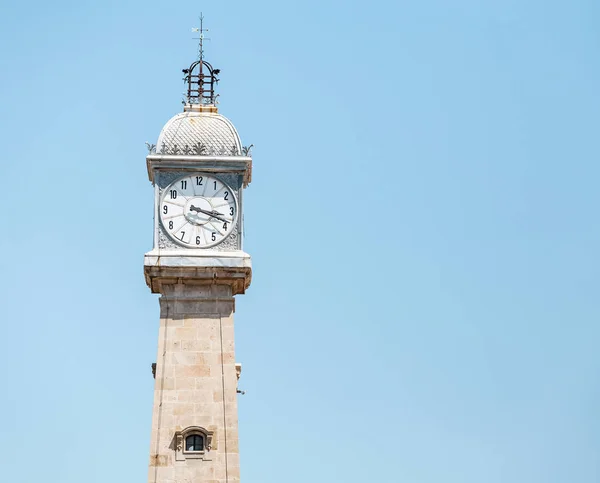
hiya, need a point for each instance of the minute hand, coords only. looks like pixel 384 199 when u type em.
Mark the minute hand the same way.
pixel 213 214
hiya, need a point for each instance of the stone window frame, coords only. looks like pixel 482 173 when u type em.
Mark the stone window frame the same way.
pixel 181 454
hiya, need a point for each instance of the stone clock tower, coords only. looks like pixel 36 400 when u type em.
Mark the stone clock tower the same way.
pixel 199 170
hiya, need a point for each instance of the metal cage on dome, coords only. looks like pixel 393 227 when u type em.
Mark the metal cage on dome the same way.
pixel 201 79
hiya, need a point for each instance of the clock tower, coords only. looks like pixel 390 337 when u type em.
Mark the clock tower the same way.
pixel 199 170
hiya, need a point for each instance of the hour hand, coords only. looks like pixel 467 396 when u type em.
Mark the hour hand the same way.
pixel 206 212
pixel 213 213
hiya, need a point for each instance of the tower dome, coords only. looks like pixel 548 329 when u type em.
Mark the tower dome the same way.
pixel 200 137
pixel 199 131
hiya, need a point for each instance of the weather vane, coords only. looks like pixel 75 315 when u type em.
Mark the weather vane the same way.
pixel 201 37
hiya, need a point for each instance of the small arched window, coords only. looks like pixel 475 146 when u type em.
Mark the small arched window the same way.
pixel 194 442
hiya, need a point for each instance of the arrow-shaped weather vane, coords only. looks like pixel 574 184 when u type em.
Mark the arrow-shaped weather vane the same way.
pixel 201 38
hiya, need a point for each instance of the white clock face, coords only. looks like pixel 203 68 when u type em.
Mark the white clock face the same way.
pixel 198 211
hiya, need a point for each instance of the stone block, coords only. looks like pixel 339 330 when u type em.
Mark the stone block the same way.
pixel 185 383
pixel 185 333
pixel 193 371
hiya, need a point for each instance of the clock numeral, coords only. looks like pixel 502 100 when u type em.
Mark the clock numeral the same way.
pixel 173 194
pixel 184 185
pixel 225 226
pixel 165 209
pixel 231 210
pixel 182 235
pixel 215 185
pixel 170 225
pixel 197 240
pixel 226 195
pixel 199 180
pixel 213 236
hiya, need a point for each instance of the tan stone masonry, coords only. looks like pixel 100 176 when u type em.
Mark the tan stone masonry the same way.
pixel 195 384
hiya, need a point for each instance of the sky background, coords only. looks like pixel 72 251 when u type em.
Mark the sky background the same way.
pixel 423 223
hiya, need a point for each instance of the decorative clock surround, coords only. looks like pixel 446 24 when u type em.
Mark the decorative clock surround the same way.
pixel 164 179
pixel 198 210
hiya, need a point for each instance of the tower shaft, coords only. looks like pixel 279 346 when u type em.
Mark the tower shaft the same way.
pixel 196 386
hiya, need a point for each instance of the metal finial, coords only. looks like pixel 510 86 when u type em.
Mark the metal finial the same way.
pixel 201 77
pixel 200 37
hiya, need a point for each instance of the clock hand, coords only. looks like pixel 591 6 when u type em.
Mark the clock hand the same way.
pixel 200 210
pixel 213 213
pixel 221 219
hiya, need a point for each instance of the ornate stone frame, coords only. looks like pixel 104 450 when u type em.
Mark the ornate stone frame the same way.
pixel 162 239
pixel 180 436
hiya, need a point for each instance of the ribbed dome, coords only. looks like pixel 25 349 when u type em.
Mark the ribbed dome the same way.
pixel 203 133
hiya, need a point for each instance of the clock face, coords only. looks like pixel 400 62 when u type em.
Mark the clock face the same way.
pixel 198 211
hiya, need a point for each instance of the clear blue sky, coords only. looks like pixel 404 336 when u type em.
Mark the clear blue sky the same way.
pixel 439 324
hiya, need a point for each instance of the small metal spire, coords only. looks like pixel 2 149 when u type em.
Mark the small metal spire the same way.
pixel 201 37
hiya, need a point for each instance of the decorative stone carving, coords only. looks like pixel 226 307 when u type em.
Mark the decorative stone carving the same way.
pixel 199 149
pixel 179 444
pixel 179 447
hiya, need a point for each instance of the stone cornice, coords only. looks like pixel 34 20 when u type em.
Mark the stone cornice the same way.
pixel 167 267
pixel 211 164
